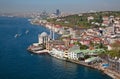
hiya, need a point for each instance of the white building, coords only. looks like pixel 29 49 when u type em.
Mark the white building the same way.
pixel 75 53
pixel 90 18
pixel 43 38
pixel 58 52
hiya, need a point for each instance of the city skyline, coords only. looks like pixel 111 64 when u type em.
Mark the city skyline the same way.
pixel 12 6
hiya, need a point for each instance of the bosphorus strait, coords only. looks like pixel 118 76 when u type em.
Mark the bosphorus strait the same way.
pixel 17 63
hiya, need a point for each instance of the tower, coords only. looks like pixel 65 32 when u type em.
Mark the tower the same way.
pixel 58 12
pixel 52 33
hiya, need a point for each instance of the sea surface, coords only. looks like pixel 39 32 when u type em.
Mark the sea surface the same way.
pixel 17 63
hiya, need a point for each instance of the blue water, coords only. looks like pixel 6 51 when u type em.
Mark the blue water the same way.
pixel 17 63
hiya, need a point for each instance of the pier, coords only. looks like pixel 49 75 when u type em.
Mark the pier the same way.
pixel 37 50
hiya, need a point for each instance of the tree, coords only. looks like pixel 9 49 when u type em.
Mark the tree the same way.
pixel 86 56
pixel 83 47
pixel 100 19
pixel 115 52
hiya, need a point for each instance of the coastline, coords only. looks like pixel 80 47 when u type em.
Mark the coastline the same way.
pixel 106 71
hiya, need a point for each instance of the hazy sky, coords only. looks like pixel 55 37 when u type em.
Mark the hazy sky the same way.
pixel 63 5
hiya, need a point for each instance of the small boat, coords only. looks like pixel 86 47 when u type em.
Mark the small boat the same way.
pixel 29 19
pixel 11 16
pixel 16 35
pixel 31 54
pixel 27 31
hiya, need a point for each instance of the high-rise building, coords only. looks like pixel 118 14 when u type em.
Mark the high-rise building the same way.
pixel 44 15
pixel 58 12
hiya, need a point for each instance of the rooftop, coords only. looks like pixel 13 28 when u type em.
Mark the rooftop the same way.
pixel 43 34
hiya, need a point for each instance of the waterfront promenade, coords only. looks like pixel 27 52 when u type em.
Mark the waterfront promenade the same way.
pixel 97 66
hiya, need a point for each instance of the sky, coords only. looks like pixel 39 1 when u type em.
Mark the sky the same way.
pixel 64 5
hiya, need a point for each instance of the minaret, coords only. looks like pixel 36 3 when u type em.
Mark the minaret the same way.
pixel 114 28
pixel 50 33
pixel 53 33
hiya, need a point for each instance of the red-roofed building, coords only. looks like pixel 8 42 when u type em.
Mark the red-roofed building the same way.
pixel 71 45
pixel 72 40
pixel 105 21
pixel 105 18
pixel 85 42
pixel 110 47
pixel 97 40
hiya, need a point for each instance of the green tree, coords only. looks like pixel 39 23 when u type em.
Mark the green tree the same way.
pixel 115 52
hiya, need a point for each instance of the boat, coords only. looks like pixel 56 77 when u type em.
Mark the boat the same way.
pixel 11 16
pixel 27 31
pixel 29 19
pixel 16 35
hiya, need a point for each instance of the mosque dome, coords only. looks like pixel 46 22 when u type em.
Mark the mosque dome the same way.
pixel 43 34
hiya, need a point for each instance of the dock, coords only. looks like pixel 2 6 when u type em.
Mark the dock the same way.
pixel 37 50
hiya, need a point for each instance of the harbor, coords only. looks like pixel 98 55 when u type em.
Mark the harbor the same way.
pixel 37 50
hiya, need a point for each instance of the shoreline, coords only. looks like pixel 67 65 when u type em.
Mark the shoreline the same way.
pixel 107 71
